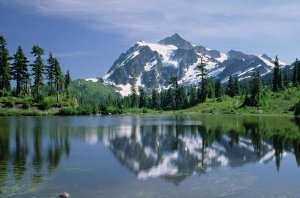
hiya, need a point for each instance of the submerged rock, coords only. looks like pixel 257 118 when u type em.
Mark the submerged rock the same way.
pixel 64 195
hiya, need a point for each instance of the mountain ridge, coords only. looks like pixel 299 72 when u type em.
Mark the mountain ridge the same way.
pixel 151 65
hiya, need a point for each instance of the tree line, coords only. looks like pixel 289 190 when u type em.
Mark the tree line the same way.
pixel 29 77
pixel 179 97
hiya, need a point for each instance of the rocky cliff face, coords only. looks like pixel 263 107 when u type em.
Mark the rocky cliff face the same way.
pixel 150 65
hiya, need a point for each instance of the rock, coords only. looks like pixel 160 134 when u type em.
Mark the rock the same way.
pixel 64 195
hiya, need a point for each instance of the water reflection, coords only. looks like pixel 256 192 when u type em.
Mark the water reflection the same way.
pixel 170 147
pixel 176 150
pixel 29 154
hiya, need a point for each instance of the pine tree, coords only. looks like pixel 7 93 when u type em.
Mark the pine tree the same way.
pixel 230 91
pixel 154 99
pixel 277 78
pixel 4 66
pixel 236 86
pixel 255 89
pixel 296 74
pixel 38 69
pixel 19 70
pixel 67 82
pixel 219 91
pixel 210 88
pixel 50 72
pixel 192 96
pixel 142 98
pixel 133 97
pixel 58 78
pixel 203 73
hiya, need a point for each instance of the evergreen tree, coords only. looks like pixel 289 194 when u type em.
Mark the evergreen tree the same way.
pixel 4 66
pixel 230 87
pixel 38 69
pixel 58 78
pixel 143 98
pixel 203 73
pixel 133 97
pixel 180 98
pixel 296 74
pixel 19 70
pixel 277 78
pixel 286 80
pixel 236 86
pixel 255 91
pixel 219 91
pixel 192 96
pixel 67 82
pixel 50 72
pixel 154 99
pixel 210 88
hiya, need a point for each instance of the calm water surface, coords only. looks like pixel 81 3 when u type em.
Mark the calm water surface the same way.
pixel 149 156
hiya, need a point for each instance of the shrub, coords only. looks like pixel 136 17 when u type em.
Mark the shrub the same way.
pixel 67 111
pixel 84 110
pixel 9 104
pixel 44 105
pixel 26 105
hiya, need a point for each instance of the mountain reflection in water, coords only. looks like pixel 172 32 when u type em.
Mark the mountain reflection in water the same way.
pixel 170 147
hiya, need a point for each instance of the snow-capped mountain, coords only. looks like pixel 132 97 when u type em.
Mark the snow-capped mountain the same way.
pixel 151 65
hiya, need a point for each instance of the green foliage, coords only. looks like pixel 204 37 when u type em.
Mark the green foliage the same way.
pixel 296 73
pixel 26 105
pixel 255 92
pixel 90 93
pixel 4 66
pixel 297 109
pixel 19 71
pixel 219 91
pixel 9 104
pixel 277 77
pixel 233 87
pixel 38 69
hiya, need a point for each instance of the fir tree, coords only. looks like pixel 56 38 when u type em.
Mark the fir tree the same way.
pixel 154 99
pixel 133 97
pixel 230 91
pixel 19 70
pixel 192 96
pixel 236 86
pixel 67 82
pixel 210 88
pixel 255 89
pixel 50 72
pixel 142 98
pixel 219 91
pixel 58 78
pixel 277 77
pixel 296 74
pixel 4 66
pixel 38 69
pixel 203 73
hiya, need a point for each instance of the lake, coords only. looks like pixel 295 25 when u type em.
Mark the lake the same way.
pixel 150 156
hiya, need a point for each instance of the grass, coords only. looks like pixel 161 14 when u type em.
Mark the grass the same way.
pixel 281 103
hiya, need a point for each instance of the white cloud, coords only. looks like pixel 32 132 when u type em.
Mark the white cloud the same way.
pixel 195 19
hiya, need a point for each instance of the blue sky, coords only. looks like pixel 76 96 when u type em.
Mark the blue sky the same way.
pixel 88 35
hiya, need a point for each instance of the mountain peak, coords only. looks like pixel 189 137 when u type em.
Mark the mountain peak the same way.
pixel 176 40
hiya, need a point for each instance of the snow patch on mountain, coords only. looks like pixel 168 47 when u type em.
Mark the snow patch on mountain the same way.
pixel 150 65
pixel 165 51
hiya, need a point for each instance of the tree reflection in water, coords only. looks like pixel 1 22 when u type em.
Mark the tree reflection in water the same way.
pixel 170 147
